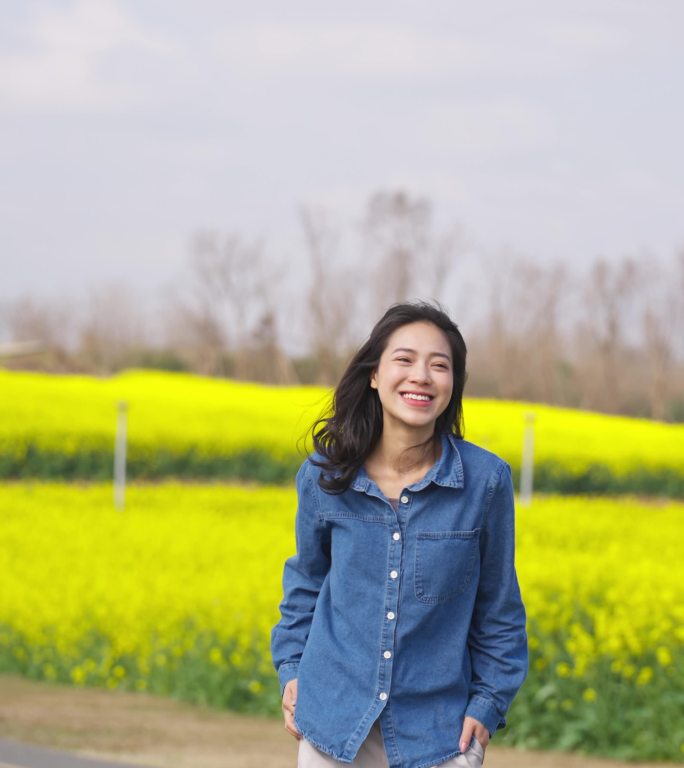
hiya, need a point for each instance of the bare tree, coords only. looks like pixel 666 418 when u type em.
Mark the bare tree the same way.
pixel 331 297
pixel 397 230
pixel 113 331
pixel 196 334
pixel 544 299
pixel 48 325
pixel 662 288
pixel 228 305
pixel 608 310
pixel 658 353
pixel 444 254
pixel 518 353
pixel 494 358
pixel 406 258
pixel 266 360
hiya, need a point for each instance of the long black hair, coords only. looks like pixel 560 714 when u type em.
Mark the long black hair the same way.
pixel 345 436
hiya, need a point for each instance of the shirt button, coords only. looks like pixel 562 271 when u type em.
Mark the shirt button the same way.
pixel 383 696
pixel 387 654
pixel 404 499
pixel 393 574
pixel 390 615
pixel 396 536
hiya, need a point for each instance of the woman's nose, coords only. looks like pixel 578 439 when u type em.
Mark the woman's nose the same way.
pixel 420 373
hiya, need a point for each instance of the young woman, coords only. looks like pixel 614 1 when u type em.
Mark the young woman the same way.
pixel 402 640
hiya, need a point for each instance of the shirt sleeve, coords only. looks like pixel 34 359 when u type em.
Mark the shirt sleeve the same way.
pixel 303 576
pixel 497 639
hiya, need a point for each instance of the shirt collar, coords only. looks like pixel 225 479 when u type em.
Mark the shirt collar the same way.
pixel 447 470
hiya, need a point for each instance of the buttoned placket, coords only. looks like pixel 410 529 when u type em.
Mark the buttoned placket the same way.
pixel 396 549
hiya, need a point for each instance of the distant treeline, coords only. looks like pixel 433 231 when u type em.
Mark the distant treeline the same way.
pixel 608 337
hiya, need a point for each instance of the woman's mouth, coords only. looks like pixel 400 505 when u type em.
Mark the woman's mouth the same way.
pixel 419 399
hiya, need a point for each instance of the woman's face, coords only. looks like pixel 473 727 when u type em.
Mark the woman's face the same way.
pixel 414 378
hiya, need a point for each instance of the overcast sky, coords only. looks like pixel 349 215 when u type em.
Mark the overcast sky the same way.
pixel 125 125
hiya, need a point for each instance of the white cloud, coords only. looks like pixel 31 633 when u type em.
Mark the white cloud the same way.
pixel 536 48
pixel 89 26
pixel 372 51
pixel 485 127
pixel 58 65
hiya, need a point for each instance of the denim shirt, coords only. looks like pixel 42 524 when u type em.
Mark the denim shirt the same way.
pixel 414 617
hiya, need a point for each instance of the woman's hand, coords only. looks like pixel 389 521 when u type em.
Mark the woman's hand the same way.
pixel 289 703
pixel 473 727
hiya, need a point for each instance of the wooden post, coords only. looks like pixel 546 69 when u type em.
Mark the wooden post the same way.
pixel 527 467
pixel 120 455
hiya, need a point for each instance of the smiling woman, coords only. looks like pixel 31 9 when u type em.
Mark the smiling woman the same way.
pixel 414 380
pixel 362 412
pixel 405 559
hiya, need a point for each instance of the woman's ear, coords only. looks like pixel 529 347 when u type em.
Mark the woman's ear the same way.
pixel 373 381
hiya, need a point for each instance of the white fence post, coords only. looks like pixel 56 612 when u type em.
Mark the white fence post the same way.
pixel 527 467
pixel 120 455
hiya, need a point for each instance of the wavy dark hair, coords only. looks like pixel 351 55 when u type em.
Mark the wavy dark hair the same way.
pixel 346 435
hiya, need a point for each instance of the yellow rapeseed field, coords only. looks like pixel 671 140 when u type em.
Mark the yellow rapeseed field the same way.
pixel 177 594
pixel 189 426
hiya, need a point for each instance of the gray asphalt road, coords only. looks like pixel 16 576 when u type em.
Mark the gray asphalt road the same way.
pixel 13 754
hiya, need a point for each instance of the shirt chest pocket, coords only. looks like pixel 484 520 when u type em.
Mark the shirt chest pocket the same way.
pixel 360 515
pixel 445 563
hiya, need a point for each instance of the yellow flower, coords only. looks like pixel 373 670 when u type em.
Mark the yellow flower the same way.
pixel 255 686
pixel 645 675
pixel 192 574
pixel 563 669
pixel 77 674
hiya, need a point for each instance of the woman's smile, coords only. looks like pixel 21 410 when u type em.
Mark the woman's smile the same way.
pixel 417 399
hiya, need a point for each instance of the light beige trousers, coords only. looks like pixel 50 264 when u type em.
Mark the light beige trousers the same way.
pixel 372 754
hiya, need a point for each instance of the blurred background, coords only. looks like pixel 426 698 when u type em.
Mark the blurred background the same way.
pixel 198 198
pixel 241 191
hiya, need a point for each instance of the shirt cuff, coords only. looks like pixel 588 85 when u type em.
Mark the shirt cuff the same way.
pixel 286 672
pixel 484 710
